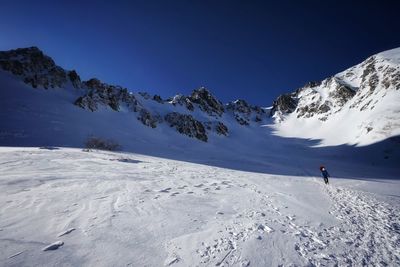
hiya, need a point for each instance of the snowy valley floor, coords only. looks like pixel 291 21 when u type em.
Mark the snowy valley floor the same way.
pixel 124 209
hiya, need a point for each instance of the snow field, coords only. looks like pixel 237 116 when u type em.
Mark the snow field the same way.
pixel 67 207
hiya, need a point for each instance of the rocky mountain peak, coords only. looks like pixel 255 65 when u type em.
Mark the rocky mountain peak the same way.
pixel 207 102
pixel 182 100
pixel 36 68
pixel 285 103
pixel 103 94
pixel 359 87
pixel 244 113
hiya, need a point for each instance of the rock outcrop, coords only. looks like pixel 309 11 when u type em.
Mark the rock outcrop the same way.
pixel 148 118
pixel 218 127
pixel 187 125
pixel 158 99
pixel 285 103
pixel 36 69
pixel 207 102
pixel 353 87
pixel 182 101
pixel 245 113
pixel 102 94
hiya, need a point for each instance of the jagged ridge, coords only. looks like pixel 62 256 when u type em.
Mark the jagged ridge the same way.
pixel 40 71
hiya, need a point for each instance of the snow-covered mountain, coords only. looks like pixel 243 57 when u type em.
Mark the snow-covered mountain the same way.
pixel 199 183
pixel 42 104
pixel 360 103
pixel 357 106
pixel 195 116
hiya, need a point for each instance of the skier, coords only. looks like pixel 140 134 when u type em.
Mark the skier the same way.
pixel 325 174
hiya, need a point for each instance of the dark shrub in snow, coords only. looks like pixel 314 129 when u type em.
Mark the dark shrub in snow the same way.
pixel 94 142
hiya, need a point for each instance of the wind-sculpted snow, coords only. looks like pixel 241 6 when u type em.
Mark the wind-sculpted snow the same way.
pixel 68 207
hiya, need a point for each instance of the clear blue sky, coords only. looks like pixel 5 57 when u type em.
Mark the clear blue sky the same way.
pixel 253 50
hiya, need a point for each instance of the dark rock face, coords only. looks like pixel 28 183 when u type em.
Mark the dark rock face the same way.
pixel 75 79
pixel 34 67
pixel 87 102
pixel 313 108
pixel 186 124
pixel 285 103
pixel 218 127
pixel 182 101
pixel 201 98
pixel 108 95
pixel 307 101
pixel 148 119
pixel 370 77
pixel 325 107
pixel 374 78
pixel 145 95
pixel 158 99
pixel 392 78
pixel 240 106
pixel 207 102
pixel 241 120
pixel 221 129
pixel 342 94
pixel 243 112
pixel 102 94
pixel 307 111
pixel 312 84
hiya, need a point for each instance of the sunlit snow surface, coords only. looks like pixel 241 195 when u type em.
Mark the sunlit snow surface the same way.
pixel 124 209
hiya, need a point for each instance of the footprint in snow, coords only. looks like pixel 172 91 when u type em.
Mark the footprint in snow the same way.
pixel 166 190
pixel 291 218
pixel 264 228
pixel 182 187
pixel 172 260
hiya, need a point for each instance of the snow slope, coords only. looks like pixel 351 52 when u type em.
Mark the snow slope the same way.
pixel 123 209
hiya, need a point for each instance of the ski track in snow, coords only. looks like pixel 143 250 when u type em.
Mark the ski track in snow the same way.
pixel 156 212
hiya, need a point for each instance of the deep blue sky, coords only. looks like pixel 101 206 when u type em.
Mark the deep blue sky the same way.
pixel 254 50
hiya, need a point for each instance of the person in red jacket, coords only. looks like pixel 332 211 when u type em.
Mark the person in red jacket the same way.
pixel 325 174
